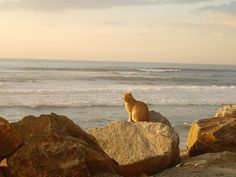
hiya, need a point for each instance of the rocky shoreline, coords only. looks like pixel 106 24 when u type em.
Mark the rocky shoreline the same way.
pixel 54 146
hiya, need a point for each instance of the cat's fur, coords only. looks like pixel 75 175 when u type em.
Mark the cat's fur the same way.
pixel 137 110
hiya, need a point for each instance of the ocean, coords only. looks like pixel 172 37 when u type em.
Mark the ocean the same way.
pixel 90 92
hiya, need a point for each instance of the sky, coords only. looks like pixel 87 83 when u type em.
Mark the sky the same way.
pixel 169 31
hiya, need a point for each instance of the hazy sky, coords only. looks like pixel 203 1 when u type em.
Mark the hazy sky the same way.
pixel 187 31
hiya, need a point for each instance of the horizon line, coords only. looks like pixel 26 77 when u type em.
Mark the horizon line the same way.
pixel 109 60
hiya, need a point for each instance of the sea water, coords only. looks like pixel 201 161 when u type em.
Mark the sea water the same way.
pixel 90 92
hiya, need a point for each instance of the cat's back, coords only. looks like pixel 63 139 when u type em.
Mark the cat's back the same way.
pixel 140 105
pixel 140 112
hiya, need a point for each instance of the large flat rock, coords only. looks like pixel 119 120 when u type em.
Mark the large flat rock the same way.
pixel 142 147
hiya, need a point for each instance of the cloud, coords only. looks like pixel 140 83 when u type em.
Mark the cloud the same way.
pixel 55 5
pixel 229 9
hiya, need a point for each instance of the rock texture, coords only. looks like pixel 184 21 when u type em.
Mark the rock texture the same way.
pixel 54 146
pixel 226 111
pixel 157 117
pixel 212 135
pixel 9 139
pixel 207 165
pixel 1 175
pixel 107 175
pixel 141 147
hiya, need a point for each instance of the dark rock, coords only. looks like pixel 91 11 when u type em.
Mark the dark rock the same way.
pixel 9 139
pixel 54 146
pixel 212 135
pixel 1 174
pixel 207 165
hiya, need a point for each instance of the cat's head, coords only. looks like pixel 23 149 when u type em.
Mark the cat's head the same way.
pixel 127 97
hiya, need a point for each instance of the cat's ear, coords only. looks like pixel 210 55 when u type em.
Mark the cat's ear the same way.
pixel 130 93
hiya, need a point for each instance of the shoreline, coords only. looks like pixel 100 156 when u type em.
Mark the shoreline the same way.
pixel 99 116
pixel 127 140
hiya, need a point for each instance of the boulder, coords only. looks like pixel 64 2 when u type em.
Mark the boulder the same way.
pixel 4 172
pixel 1 175
pixel 157 117
pixel 107 175
pixel 226 111
pixel 206 165
pixel 142 147
pixel 55 145
pixel 9 139
pixel 212 135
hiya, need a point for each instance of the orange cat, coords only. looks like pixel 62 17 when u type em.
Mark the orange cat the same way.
pixel 137 110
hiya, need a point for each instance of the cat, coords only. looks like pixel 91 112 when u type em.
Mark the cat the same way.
pixel 137 110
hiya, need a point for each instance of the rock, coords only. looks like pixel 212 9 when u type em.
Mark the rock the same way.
pixel 4 172
pixel 9 139
pixel 212 135
pixel 54 145
pixel 142 147
pixel 206 165
pixel 157 117
pixel 226 111
pixel 107 175
pixel 1 175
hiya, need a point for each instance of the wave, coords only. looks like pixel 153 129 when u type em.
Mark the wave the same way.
pixel 152 79
pixel 61 104
pixel 99 69
pixel 85 69
pixel 121 88
pixel 41 106
pixel 121 79
pixel 98 95
pixel 124 77
pixel 119 68
pixel 209 70
pixel 73 69
pixel 159 70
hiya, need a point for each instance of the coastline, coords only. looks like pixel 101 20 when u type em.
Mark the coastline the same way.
pixel 181 117
pixel 136 148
